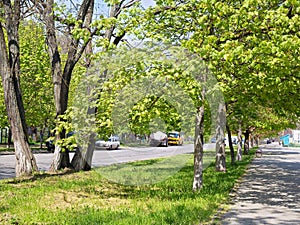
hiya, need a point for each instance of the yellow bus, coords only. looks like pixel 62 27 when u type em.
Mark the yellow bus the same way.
pixel 175 138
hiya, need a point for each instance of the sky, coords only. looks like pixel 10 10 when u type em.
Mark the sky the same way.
pixel 101 6
pixel 147 3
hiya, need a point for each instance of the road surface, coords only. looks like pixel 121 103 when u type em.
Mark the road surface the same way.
pixel 102 157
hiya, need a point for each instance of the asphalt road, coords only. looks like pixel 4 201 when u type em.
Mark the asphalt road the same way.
pixel 102 157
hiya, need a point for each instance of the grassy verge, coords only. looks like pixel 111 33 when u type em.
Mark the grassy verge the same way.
pixel 11 149
pixel 89 198
pixel 294 145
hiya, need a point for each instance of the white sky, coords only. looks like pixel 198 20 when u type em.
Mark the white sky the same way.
pixel 147 3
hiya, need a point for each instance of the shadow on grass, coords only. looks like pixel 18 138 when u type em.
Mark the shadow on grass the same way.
pixel 177 186
pixel 39 176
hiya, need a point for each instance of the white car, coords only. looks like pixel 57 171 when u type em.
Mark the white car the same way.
pixel 112 143
pixel 100 143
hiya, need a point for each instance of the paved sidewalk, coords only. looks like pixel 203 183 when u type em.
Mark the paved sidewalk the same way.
pixel 270 191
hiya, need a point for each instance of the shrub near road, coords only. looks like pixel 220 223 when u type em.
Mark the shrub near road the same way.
pixel 88 198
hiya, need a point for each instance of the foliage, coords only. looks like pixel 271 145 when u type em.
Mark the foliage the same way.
pixel 3 114
pixel 143 90
pixel 86 198
pixel 252 48
pixel 36 83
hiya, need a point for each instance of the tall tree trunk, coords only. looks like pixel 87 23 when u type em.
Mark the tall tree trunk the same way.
pixel 61 78
pixel 246 142
pixel 82 159
pixel 61 157
pixel 198 149
pixel 10 73
pixel 230 144
pixel 251 143
pixel 220 142
pixel 9 139
pixel 240 143
pixel 257 140
pixel 199 137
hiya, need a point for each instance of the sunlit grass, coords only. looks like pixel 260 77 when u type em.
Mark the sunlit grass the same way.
pixel 90 198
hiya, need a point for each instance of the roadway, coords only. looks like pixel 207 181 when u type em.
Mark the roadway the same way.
pixel 103 157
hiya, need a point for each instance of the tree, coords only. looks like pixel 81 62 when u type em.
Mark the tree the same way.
pixel 79 30
pixel 61 74
pixel 10 72
pixel 149 78
pixel 3 113
pixel 243 43
pixel 35 79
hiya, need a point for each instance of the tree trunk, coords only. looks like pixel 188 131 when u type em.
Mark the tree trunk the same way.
pixel 10 73
pixel 61 79
pixel 230 144
pixel 61 158
pixel 198 149
pixel 239 144
pixel 220 142
pixel 257 140
pixel 246 142
pixel 82 159
pixel 9 138
pixel 251 143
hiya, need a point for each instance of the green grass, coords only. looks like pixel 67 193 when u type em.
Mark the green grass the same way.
pixel 11 149
pixel 90 198
pixel 294 145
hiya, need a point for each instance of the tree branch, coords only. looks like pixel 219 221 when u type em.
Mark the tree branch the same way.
pixel 163 9
pixel 129 4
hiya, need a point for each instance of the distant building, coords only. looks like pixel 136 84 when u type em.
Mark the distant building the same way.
pixel 295 136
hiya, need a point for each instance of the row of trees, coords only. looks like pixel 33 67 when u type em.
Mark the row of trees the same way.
pixel 249 47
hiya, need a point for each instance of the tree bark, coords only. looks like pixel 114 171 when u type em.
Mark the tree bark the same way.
pixel 251 143
pixel 239 154
pixel 82 159
pixel 10 73
pixel 61 78
pixel 199 137
pixel 257 140
pixel 230 144
pixel 198 149
pixel 9 139
pixel 246 142
pixel 61 158
pixel 220 143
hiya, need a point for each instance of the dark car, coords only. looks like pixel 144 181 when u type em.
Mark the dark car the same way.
pixel 50 145
pixel 50 142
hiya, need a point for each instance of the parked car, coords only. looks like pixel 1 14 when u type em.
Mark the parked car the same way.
pixel 159 139
pixel 100 143
pixel 51 146
pixel 112 143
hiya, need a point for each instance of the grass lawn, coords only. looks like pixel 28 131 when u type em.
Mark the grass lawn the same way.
pixel 89 198
pixel 34 147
